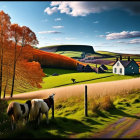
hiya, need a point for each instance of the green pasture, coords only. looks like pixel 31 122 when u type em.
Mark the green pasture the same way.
pixel 70 53
pixel 107 53
pixel 70 122
pixel 64 78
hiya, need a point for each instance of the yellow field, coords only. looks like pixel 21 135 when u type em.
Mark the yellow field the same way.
pixel 94 90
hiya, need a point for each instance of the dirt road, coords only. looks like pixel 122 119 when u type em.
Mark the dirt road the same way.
pixel 123 128
pixel 95 89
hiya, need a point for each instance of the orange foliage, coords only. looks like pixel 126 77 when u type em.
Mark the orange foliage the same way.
pixel 31 71
pixel 16 43
pixel 48 59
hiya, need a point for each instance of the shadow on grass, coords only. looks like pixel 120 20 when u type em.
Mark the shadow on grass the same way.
pixel 122 113
pixel 91 121
pixel 84 81
pixel 60 127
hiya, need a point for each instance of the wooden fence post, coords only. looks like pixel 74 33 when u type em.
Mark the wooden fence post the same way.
pixel 86 109
pixel 53 109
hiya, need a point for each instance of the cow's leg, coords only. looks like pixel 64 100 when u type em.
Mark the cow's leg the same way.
pixel 38 117
pixel 47 120
pixel 12 124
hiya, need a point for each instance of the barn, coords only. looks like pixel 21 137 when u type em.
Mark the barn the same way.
pixel 80 68
pixel 87 68
pixel 125 67
pixel 103 67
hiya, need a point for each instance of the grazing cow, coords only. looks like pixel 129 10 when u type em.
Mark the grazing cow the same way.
pixel 17 111
pixel 40 107
pixel 73 80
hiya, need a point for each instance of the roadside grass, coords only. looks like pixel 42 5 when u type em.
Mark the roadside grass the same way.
pixel 70 121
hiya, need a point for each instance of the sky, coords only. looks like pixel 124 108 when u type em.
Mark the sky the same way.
pixel 106 25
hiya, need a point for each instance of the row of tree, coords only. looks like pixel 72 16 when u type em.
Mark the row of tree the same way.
pixel 16 44
pixel 48 59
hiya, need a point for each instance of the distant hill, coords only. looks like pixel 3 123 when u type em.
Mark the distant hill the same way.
pixel 52 60
pixel 78 48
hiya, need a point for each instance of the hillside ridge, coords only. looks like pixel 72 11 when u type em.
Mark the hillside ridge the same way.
pixel 81 48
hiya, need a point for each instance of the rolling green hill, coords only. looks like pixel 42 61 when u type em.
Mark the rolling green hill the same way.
pixel 79 48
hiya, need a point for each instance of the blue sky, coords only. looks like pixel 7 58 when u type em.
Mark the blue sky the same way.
pixel 107 26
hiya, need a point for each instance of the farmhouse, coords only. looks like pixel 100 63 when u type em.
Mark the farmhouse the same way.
pixel 125 67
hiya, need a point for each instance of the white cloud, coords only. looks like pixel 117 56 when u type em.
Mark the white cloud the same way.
pixel 96 22
pixel 50 11
pixel 58 27
pixel 101 36
pixel 82 8
pixel 133 41
pixel 49 32
pixel 123 35
pixel 57 19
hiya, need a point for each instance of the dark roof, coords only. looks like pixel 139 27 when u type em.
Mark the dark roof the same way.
pixel 125 63
pixel 87 68
pixel 80 67
pixel 98 70
pixel 104 67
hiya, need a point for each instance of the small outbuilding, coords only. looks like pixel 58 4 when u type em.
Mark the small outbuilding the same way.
pixel 80 68
pixel 87 68
pixel 103 67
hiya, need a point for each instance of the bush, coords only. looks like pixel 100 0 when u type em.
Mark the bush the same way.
pixel 3 106
pixel 106 103
pixel 136 100
pixel 95 107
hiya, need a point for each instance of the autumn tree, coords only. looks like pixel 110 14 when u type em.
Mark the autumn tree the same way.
pixel 22 36
pixel 4 33
pixel 28 75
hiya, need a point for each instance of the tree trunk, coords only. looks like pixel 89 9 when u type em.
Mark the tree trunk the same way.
pixel 6 83
pixel 14 72
pixel 1 72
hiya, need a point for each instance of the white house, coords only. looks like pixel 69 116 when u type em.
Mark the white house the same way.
pixel 125 67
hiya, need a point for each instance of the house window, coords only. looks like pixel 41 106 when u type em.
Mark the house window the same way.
pixel 118 64
pixel 115 70
pixel 120 70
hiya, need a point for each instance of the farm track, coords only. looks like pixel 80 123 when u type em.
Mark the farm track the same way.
pixel 123 128
pixel 94 90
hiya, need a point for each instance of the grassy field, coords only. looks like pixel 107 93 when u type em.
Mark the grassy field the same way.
pixel 70 121
pixel 64 78
pixel 107 53
pixel 70 53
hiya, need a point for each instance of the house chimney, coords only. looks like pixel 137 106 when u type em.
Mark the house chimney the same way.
pixel 120 57
pixel 128 58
